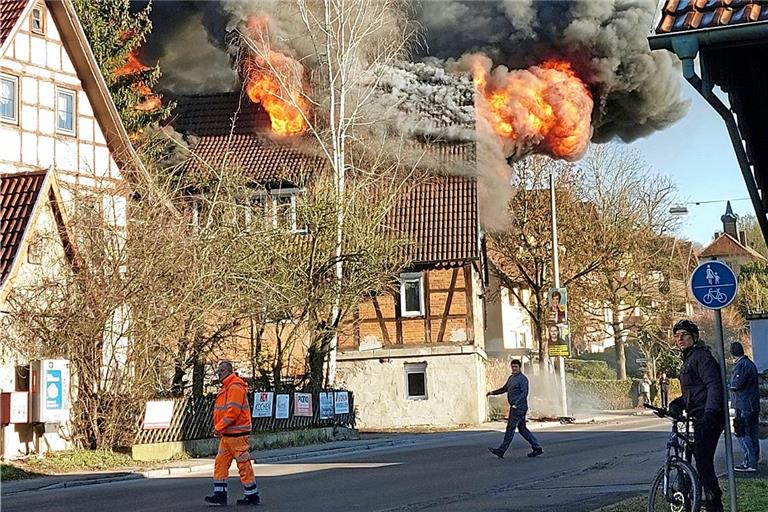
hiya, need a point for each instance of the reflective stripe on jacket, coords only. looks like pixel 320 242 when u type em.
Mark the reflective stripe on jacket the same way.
pixel 231 414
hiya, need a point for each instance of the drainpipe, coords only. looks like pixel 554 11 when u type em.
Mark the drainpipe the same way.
pixel 686 47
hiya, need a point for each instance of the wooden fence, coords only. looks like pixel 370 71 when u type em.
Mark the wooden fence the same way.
pixel 193 419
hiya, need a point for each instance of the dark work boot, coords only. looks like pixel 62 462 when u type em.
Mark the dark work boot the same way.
pixel 536 452
pixel 497 452
pixel 249 499
pixel 217 498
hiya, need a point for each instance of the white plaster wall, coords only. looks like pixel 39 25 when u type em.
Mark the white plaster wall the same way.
pixel 455 387
pixel 20 439
pixel 42 63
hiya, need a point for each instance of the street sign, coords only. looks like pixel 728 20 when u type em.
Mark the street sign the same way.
pixel 714 284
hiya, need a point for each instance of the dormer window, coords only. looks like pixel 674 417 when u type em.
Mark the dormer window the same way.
pixel 37 20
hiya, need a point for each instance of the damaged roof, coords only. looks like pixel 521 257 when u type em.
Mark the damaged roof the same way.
pixel 683 15
pixel 439 215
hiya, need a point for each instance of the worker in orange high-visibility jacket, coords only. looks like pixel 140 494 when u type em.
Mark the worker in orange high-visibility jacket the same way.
pixel 232 425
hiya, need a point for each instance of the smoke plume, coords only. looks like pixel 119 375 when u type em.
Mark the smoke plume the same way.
pixel 636 92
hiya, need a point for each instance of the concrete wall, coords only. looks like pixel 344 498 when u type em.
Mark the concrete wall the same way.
pixel 455 382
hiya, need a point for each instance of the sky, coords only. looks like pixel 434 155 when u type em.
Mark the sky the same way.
pixel 697 153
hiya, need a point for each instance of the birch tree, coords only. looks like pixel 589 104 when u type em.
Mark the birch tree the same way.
pixel 346 44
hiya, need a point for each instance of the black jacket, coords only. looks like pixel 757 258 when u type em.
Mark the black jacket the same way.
pixel 700 382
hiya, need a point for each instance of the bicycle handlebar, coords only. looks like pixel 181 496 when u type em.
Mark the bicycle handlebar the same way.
pixel 666 413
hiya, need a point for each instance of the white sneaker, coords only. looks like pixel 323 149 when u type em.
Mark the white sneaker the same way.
pixel 745 469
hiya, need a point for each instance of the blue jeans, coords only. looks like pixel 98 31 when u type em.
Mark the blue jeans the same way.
pixel 516 421
pixel 750 441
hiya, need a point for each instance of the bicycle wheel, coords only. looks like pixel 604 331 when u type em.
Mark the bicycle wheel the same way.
pixel 683 491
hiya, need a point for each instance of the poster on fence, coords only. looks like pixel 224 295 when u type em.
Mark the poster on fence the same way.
pixel 262 404
pixel 302 404
pixel 158 414
pixel 282 409
pixel 326 406
pixel 341 402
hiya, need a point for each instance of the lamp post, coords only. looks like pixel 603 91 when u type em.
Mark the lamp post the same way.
pixel 556 279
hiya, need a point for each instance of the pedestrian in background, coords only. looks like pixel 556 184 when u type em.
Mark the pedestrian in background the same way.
pixel 664 389
pixel 645 389
pixel 746 401
pixel 232 425
pixel 516 389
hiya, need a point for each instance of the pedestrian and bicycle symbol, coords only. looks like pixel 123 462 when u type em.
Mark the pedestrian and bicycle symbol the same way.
pixel 714 284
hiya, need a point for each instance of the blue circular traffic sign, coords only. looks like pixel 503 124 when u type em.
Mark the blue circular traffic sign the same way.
pixel 714 284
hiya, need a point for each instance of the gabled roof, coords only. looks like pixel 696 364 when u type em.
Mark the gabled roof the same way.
pixel 726 245
pixel 439 215
pixel 12 15
pixel 22 197
pixel 684 15
pixel 18 197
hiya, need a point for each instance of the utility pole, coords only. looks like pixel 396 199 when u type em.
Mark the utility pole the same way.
pixel 556 279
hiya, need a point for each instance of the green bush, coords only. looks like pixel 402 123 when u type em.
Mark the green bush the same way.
pixel 591 370
pixel 612 394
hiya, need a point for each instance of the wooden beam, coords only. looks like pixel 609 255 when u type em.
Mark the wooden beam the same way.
pixel 470 304
pixel 399 319
pixel 444 322
pixel 380 318
pixel 427 310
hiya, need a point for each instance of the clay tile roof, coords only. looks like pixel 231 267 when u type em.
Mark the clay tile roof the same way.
pixel 10 10
pixel 18 196
pixel 726 245
pixel 682 15
pixel 439 215
pixel 240 139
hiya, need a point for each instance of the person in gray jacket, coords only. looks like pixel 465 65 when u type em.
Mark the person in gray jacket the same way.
pixel 516 389
pixel 746 400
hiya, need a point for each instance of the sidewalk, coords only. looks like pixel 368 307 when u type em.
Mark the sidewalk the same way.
pixel 368 441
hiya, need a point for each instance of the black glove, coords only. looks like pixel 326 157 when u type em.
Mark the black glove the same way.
pixel 709 420
pixel 675 409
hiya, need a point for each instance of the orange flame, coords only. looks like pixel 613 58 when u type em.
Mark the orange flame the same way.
pixel 131 66
pixel 545 108
pixel 275 80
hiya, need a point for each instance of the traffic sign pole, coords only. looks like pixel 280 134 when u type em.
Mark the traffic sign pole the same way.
pixel 714 286
pixel 728 437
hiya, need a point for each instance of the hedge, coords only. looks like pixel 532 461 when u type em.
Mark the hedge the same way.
pixel 612 394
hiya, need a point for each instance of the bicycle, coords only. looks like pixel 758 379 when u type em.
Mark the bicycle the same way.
pixel 676 486
pixel 714 295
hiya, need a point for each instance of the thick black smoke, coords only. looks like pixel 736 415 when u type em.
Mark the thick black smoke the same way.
pixel 636 92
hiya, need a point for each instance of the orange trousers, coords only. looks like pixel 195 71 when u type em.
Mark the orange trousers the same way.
pixel 236 448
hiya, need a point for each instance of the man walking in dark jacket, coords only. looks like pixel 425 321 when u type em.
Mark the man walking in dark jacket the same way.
pixel 746 401
pixel 516 389
pixel 702 399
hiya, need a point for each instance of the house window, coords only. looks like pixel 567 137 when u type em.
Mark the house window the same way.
pixel 65 111
pixel 279 208
pixel 412 294
pixel 416 380
pixel 37 20
pixel 9 94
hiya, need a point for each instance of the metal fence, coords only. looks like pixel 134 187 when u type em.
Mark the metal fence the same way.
pixel 193 419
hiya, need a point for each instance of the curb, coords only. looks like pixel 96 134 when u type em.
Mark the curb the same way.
pixel 80 483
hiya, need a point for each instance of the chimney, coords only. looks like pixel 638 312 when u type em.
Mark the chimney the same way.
pixel 729 220
pixel 743 237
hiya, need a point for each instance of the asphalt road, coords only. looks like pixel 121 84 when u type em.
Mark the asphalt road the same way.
pixel 583 467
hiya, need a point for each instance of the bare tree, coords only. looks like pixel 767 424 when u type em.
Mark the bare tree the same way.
pixel 347 44
pixel 521 256
pixel 633 225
